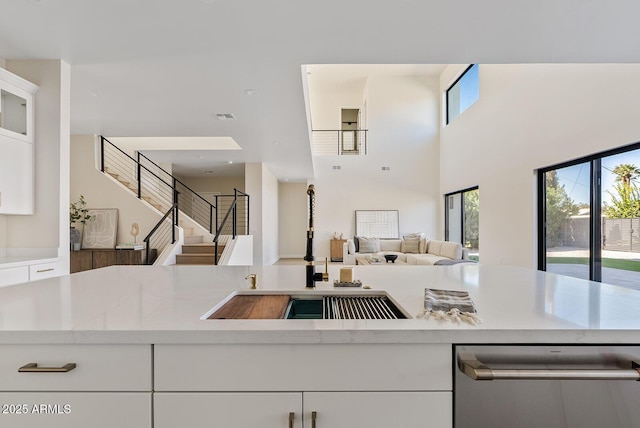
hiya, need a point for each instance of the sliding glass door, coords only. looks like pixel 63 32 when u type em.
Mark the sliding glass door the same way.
pixel 462 220
pixel 567 219
pixel 589 218
pixel 621 219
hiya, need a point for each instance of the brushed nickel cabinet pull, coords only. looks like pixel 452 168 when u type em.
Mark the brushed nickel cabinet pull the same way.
pixel 314 415
pixel 291 417
pixel 33 368
pixel 45 270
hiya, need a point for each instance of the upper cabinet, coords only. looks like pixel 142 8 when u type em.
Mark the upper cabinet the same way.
pixel 16 106
pixel 16 144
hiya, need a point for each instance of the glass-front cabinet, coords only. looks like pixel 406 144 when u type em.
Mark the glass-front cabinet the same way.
pixel 16 144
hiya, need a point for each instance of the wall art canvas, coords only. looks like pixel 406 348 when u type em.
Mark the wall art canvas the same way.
pixel 102 231
pixel 377 223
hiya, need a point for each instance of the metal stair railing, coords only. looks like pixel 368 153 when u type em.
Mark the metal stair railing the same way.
pixel 233 212
pixel 162 234
pixel 141 180
pixel 167 194
pixel 189 201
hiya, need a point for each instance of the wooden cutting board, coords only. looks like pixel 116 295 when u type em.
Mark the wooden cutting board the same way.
pixel 253 307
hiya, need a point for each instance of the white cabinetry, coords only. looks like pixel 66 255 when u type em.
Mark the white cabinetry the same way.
pixel 14 275
pixel 75 386
pixel 16 144
pixel 343 385
pixel 31 270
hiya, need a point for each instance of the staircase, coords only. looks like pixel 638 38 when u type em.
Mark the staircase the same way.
pixel 134 188
pixel 224 219
pixel 197 252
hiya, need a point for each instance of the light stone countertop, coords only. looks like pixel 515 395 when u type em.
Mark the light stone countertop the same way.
pixel 144 304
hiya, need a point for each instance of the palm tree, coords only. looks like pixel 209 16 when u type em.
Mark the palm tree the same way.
pixel 625 173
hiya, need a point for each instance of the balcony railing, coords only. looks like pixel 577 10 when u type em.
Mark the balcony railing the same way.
pixel 339 142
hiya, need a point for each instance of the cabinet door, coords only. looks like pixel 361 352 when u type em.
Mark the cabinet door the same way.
pixel 81 260
pixel 16 176
pixel 227 410
pixel 14 275
pixel 104 258
pixel 378 409
pixel 129 257
pixel 75 410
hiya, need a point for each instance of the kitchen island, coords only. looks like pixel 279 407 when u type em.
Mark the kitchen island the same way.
pixel 144 357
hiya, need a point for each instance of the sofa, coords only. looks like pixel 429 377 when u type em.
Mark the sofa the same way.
pixel 412 249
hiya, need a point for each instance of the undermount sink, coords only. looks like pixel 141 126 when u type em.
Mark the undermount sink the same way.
pixel 362 304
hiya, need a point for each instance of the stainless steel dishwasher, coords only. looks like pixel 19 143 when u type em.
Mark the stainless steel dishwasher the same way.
pixel 547 386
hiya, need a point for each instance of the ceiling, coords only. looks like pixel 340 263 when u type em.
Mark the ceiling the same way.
pixel 158 68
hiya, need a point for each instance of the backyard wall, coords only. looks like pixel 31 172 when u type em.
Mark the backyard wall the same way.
pixel 528 117
pixel 402 118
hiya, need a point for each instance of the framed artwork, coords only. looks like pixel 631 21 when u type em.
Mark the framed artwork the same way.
pixel 102 231
pixel 378 224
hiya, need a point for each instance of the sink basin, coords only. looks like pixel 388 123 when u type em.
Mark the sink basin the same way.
pixel 272 304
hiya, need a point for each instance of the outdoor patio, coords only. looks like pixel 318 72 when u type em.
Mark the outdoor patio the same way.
pixel 623 278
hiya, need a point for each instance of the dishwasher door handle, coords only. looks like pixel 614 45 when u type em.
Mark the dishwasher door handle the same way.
pixel 477 370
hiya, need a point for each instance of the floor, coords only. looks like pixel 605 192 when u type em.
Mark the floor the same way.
pixel 300 261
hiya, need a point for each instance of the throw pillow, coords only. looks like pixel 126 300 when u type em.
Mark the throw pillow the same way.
pixel 423 240
pixel 352 246
pixel 356 242
pixel 369 245
pixel 410 245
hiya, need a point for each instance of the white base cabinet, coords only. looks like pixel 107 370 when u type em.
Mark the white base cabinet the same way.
pixel 228 410
pixel 75 410
pixel 303 386
pixel 297 410
pixel 378 409
pixel 76 386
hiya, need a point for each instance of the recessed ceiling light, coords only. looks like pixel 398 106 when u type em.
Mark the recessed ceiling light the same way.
pixel 252 92
pixel 229 162
pixel 96 94
pixel 275 143
pixel 200 157
pixel 226 116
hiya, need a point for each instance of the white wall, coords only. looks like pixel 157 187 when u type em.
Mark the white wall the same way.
pixel 48 226
pixel 270 231
pixel 402 116
pixel 262 187
pixel 224 185
pixel 292 219
pixel 527 117
pixel 100 191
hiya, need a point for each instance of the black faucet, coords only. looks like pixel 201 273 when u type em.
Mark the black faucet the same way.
pixel 312 276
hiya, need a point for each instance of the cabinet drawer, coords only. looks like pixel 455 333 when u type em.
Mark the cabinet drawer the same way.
pixel 322 367
pixel 44 270
pixel 14 275
pixel 228 410
pixel 98 367
pixel 75 410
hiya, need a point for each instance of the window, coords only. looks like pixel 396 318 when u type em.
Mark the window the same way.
pixel 462 220
pixel 589 217
pixel 463 93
